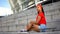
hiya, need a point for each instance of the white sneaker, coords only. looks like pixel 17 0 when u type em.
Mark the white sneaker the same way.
pixel 23 31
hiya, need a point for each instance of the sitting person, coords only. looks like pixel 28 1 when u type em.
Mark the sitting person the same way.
pixel 40 22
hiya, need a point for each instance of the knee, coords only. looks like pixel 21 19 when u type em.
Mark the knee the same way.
pixel 31 22
pixel 35 25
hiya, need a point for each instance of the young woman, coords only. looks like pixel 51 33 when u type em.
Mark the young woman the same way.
pixel 40 22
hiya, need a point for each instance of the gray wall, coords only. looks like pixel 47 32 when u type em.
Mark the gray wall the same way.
pixel 17 21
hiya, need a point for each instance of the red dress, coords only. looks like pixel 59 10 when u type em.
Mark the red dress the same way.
pixel 42 20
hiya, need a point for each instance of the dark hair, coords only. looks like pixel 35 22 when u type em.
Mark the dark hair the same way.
pixel 42 10
pixel 41 7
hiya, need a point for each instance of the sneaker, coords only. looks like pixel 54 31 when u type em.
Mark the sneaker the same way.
pixel 23 31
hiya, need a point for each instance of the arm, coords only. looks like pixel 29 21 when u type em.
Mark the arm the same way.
pixel 38 19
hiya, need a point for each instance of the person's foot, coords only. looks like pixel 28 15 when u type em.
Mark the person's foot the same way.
pixel 23 31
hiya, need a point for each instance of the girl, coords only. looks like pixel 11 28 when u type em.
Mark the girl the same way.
pixel 40 22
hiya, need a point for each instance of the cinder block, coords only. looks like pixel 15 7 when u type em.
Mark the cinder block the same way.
pixel 8 24
pixel 31 16
pixel 5 29
pixel 3 25
pixel 47 7
pixel 22 18
pixel 20 27
pixel 48 18
pixel 21 14
pixel 56 17
pixel 3 19
pixel 23 22
pixel 0 29
pixel 51 24
pixel 12 28
pixel 52 12
pixel 10 20
pixel 51 6
pixel 57 24
pixel 0 25
pixel 28 12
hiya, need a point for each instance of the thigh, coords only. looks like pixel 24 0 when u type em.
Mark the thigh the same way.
pixel 35 28
pixel 32 22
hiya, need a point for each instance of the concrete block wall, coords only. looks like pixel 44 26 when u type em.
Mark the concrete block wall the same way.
pixel 18 21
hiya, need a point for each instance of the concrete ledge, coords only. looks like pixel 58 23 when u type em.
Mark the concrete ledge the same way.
pixel 31 33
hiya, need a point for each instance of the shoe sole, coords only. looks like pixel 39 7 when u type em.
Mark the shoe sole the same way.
pixel 22 32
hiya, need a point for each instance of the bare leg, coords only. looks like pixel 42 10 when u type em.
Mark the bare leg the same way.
pixel 29 26
pixel 35 28
pixel 32 26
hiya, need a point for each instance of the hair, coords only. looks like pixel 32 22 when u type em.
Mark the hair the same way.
pixel 41 7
